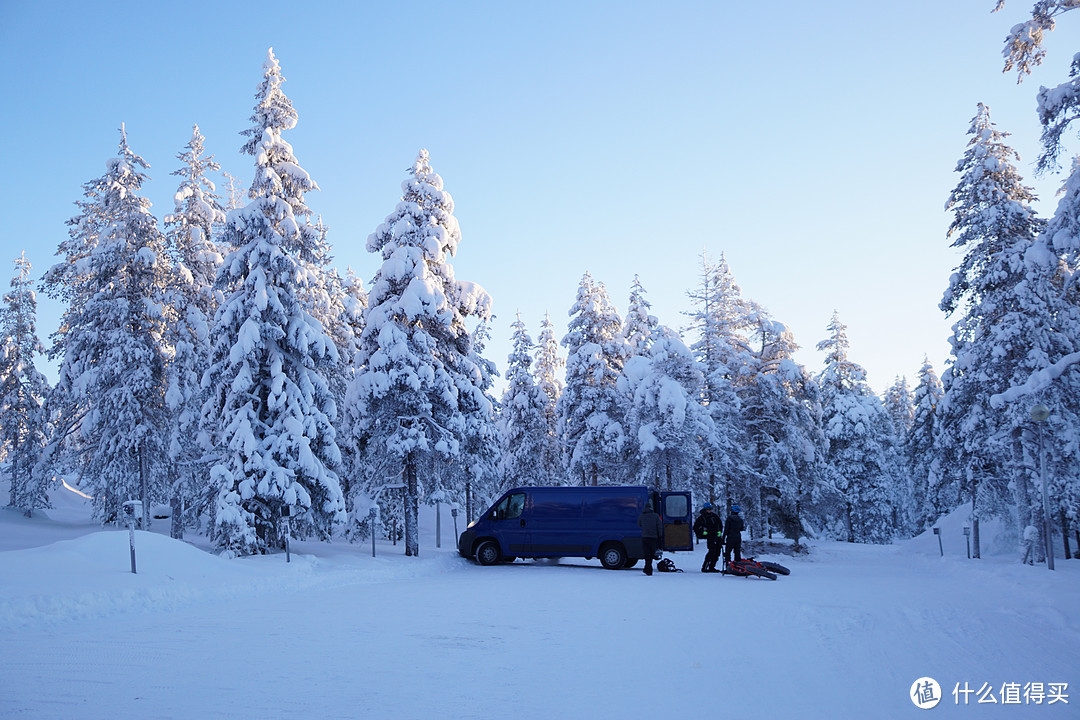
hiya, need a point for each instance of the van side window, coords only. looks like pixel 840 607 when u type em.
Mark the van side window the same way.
pixel 511 507
pixel 675 506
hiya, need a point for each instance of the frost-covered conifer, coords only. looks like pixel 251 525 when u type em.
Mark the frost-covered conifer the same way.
pixel 337 303
pixel 920 449
pixel 721 318
pixel 781 407
pixel 639 325
pixel 900 406
pixel 670 429
pixel 269 415
pixel 23 422
pixel 113 369
pixel 860 478
pixel 476 475
pixel 1002 317
pixel 522 422
pixel 590 421
pixel 548 367
pixel 417 381
pixel 637 332
pixel 191 304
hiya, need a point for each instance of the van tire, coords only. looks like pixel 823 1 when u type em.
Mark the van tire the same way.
pixel 630 562
pixel 488 553
pixel 612 556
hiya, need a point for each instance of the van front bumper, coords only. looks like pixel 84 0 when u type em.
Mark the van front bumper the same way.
pixel 465 543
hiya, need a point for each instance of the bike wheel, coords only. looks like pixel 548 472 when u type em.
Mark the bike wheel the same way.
pixel 759 572
pixel 776 568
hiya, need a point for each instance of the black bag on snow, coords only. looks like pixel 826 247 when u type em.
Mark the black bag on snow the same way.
pixel 666 565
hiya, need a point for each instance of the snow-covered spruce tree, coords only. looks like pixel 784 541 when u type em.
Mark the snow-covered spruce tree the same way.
pixel 68 282
pixel 416 373
pixel 900 405
pixel 191 304
pixel 269 414
pixel 350 301
pixel 320 291
pixel 113 368
pixel 548 367
pixel 1002 317
pixel 1063 230
pixel 670 428
pixel 639 325
pixel 1044 333
pixel 522 423
pixel 637 332
pixel 337 303
pixel 860 481
pixel 781 407
pixel 590 421
pixel 475 476
pixel 721 318
pixel 1061 240
pixel 920 450
pixel 23 423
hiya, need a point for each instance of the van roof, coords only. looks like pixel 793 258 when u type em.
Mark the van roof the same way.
pixel 585 488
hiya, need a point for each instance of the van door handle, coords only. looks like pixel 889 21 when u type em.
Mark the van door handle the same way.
pixel 523 522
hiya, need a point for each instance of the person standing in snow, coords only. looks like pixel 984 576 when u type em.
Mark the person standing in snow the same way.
pixel 710 527
pixel 733 534
pixel 651 530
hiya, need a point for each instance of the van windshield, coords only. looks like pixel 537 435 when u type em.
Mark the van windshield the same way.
pixel 511 507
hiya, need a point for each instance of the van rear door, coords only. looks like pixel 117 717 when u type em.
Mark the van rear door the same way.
pixel 675 514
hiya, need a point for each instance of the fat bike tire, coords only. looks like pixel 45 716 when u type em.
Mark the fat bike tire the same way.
pixel 776 568
pixel 760 573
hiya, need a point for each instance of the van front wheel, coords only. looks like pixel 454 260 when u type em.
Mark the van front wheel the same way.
pixel 488 553
pixel 612 556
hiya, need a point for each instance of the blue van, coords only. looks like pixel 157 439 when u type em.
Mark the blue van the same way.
pixel 588 522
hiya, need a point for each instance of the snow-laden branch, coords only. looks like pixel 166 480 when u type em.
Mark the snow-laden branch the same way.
pixel 1039 380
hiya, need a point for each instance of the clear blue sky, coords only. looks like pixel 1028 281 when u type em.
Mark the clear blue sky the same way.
pixel 812 143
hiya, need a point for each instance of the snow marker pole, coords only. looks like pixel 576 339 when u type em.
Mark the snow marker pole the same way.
pixel 372 514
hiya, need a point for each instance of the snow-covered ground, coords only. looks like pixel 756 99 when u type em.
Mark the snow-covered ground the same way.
pixel 337 633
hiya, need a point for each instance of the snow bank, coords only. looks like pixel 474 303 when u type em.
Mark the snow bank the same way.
pixel 996 537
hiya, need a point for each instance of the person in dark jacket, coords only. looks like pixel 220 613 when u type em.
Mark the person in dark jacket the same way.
pixel 709 527
pixel 651 531
pixel 733 535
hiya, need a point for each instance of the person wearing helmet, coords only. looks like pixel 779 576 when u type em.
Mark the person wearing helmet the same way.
pixel 710 528
pixel 733 534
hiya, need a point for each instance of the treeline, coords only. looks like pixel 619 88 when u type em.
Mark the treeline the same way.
pixel 218 364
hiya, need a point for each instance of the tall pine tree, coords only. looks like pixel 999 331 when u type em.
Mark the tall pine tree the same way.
pixel 269 416
pixel 23 422
pixel 191 304
pixel 920 450
pixel 590 411
pixel 522 422
pixel 721 318
pixel 417 381
pixel 113 371
pixel 860 482
pixel 997 309
pixel 547 370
